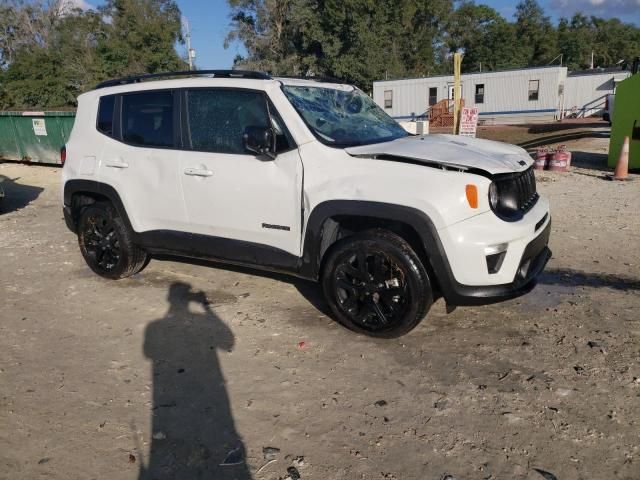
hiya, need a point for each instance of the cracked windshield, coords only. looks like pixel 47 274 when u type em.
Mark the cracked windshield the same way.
pixel 343 118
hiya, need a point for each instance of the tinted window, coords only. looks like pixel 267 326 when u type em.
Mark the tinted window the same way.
pixel 433 95
pixel 388 98
pixel 218 118
pixel 105 115
pixel 534 88
pixel 480 93
pixel 147 119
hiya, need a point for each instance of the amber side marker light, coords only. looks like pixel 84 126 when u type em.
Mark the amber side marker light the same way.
pixel 472 195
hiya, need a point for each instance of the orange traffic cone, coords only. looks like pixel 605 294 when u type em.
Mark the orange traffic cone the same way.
pixel 622 167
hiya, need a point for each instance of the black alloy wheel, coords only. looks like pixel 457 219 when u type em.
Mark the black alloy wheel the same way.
pixel 375 284
pixel 100 241
pixel 371 288
pixel 107 244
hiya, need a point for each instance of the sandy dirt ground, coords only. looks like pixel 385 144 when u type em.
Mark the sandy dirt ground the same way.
pixel 184 367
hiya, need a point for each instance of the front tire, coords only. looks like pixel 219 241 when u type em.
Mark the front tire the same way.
pixel 106 243
pixel 375 284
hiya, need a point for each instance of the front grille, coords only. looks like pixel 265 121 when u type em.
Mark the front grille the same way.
pixel 516 194
pixel 526 189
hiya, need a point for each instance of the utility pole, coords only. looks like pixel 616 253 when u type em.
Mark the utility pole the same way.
pixel 191 53
pixel 457 63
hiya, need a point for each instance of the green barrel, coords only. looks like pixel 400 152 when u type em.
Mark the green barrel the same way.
pixel 34 136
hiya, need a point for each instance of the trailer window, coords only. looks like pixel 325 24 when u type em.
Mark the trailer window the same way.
pixel 388 98
pixel 534 88
pixel 433 95
pixel 480 93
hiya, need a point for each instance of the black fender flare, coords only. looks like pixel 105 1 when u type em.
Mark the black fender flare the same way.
pixel 73 187
pixel 414 218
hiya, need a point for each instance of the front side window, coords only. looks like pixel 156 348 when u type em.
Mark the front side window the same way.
pixel 105 115
pixel 534 88
pixel 480 93
pixel 217 119
pixel 342 117
pixel 147 119
pixel 388 98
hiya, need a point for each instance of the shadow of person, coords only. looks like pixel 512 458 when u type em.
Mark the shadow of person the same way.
pixel 193 432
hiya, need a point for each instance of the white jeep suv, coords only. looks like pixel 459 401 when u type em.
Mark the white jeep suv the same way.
pixel 303 177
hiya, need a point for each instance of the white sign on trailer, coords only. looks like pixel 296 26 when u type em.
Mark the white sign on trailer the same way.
pixel 469 121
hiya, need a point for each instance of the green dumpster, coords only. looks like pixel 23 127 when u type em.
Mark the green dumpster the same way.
pixel 34 136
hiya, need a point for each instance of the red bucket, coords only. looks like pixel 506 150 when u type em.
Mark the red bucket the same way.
pixel 559 160
pixel 540 162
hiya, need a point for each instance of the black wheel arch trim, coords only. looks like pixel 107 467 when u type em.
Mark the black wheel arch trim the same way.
pixel 72 187
pixel 313 248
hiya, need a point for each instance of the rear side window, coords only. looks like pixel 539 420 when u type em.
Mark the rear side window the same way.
pixel 105 115
pixel 217 119
pixel 147 119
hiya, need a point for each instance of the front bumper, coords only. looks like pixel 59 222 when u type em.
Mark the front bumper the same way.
pixel 534 259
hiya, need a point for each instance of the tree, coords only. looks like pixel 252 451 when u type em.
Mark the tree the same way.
pixel 26 24
pixel 269 30
pixel 575 41
pixel 356 40
pixel 536 33
pixel 611 41
pixel 488 41
pixel 615 42
pixel 50 53
pixel 141 37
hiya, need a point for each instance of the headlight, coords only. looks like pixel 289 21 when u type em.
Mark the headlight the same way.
pixel 493 196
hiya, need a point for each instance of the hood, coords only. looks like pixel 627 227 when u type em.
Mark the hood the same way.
pixel 451 150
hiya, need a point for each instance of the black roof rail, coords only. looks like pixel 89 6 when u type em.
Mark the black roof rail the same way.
pixel 185 73
pixel 312 78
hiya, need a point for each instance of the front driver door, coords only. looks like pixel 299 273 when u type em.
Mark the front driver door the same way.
pixel 249 206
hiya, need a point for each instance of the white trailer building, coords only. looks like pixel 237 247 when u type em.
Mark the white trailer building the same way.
pixel 585 93
pixel 529 95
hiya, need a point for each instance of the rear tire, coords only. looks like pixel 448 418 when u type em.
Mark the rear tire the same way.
pixel 375 284
pixel 107 244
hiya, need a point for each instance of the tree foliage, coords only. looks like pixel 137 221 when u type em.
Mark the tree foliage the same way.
pixel 50 52
pixel 611 41
pixel 365 40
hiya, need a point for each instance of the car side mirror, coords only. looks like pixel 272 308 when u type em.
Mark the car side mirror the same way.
pixel 260 140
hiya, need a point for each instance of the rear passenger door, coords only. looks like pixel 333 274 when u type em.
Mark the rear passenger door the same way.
pixel 142 162
pixel 231 193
